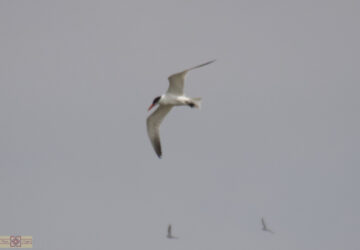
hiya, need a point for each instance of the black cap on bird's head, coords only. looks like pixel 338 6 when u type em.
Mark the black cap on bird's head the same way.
pixel 155 101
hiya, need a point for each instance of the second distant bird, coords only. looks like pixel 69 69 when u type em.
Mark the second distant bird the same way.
pixel 169 234
pixel 173 97
pixel 265 228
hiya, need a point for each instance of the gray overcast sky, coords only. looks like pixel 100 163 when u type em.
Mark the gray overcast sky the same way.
pixel 277 135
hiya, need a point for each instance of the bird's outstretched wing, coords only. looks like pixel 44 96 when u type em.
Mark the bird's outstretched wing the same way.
pixel 153 123
pixel 176 81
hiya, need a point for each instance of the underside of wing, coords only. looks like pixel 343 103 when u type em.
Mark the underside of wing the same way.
pixel 176 81
pixel 153 123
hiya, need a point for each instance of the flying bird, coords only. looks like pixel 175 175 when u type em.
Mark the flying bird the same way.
pixel 169 234
pixel 173 97
pixel 265 228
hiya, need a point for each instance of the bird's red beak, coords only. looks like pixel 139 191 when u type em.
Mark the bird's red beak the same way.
pixel 151 106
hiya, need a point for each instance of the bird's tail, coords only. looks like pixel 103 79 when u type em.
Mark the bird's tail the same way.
pixel 196 101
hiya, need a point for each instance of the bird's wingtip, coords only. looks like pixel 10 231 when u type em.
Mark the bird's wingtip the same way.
pixel 211 61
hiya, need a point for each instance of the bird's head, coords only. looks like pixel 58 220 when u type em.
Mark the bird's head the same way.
pixel 155 101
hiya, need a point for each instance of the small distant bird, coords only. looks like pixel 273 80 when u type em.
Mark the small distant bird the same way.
pixel 173 97
pixel 169 234
pixel 265 228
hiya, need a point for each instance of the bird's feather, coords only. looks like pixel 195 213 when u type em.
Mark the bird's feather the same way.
pixel 176 81
pixel 153 123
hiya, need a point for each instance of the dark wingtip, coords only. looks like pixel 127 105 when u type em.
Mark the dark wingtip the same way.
pixel 159 154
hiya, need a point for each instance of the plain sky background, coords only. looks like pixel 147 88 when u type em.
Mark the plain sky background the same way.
pixel 277 136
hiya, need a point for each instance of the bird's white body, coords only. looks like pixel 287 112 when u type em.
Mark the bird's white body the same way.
pixel 174 100
pixel 173 97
